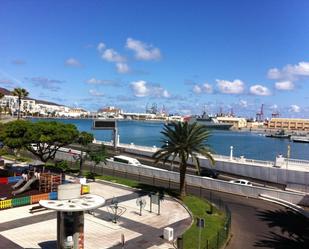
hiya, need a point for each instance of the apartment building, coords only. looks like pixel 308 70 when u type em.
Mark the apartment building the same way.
pixel 289 124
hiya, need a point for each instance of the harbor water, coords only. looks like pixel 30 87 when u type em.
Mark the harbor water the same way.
pixel 248 144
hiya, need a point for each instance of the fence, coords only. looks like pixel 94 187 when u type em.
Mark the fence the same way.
pixel 222 234
pixel 296 173
pixel 214 242
pixel 170 177
pixel 27 200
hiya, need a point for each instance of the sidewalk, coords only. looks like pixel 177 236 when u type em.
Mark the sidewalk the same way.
pixel 20 229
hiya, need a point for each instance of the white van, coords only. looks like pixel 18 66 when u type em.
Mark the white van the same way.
pixel 126 160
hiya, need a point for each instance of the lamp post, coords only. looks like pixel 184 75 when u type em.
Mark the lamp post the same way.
pixel 231 153
pixel 288 155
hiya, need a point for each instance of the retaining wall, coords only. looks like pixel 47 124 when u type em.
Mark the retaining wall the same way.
pixel 204 182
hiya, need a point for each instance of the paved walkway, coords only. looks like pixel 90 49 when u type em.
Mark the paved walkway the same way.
pixel 20 229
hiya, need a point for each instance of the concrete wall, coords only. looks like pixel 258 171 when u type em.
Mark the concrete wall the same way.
pixel 204 182
pixel 261 170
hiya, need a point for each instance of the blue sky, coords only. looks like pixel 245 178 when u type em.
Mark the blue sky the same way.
pixel 185 55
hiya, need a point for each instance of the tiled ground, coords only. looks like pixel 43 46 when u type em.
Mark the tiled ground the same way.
pixel 20 229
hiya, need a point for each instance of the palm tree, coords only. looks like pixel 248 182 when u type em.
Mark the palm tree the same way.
pixel 184 140
pixel 1 96
pixel 20 93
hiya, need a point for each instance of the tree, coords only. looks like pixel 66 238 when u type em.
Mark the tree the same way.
pixel 97 156
pixel 84 139
pixel 13 134
pixel 184 140
pixel 20 93
pixel 43 139
pixel 1 109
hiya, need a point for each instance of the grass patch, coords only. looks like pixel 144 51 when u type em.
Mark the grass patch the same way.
pixel 13 158
pixel 213 223
pixel 119 180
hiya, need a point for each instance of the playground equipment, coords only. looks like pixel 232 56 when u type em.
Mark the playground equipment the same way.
pixel 19 183
pixel 26 186
pixel 49 182
pixel 115 211
pixel 141 203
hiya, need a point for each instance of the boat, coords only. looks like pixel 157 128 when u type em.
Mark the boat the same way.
pixel 210 122
pixel 278 134
pixel 300 139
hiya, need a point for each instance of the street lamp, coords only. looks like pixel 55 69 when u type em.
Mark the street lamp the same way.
pixel 288 155
pixel 231 153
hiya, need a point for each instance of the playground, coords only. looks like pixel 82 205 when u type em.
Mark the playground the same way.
pixel 21 180
pixel 21 229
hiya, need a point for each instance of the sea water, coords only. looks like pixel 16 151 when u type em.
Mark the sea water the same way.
pixel 248 144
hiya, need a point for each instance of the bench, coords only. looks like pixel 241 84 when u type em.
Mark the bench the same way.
pixel 37 209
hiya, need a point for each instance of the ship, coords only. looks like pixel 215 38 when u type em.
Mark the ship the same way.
pixel 300 139
pixel 210 122
pixel 278 134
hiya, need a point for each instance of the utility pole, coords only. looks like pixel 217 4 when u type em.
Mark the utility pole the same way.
pixel 288 155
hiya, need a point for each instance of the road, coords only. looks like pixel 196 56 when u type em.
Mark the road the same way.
pixel 247 227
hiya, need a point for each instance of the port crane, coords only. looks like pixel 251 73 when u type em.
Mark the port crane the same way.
pixel 260 114
pixel 275 114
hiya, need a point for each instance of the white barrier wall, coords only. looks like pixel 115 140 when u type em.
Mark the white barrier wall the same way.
pixel 261 170
pixel 204 182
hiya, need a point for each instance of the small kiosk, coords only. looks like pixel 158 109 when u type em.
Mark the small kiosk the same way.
pixel 70 208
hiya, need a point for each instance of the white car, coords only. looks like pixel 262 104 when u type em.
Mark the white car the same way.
pixel 241 181
pixel 126 160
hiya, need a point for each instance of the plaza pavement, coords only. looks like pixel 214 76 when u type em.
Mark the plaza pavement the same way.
pixel 20 229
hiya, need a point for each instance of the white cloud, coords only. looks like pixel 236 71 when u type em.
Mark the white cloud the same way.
pixel 288 75
pixel 197 89
pixel 122 67
pixel 243 103
pixel 142 50
pixel 284 85
pixel 259 90
pixel 95 93
pixel 205 88
pixel 274 74
pixel 274 107
pixel 166 94
pixel 101 46
pixel 230 87
pixel 95 81
pixel 112 56
pixel 294 108
pixel 72 62
pixel 142 89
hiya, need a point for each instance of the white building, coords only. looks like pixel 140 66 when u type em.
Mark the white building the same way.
pixel 9 104
pixel 237 123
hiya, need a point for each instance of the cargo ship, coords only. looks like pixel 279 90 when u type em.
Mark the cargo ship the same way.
pixel 210 122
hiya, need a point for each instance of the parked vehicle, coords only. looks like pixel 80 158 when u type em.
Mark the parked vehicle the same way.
pixel 241 181
pixel 209 172
pixel 126 160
